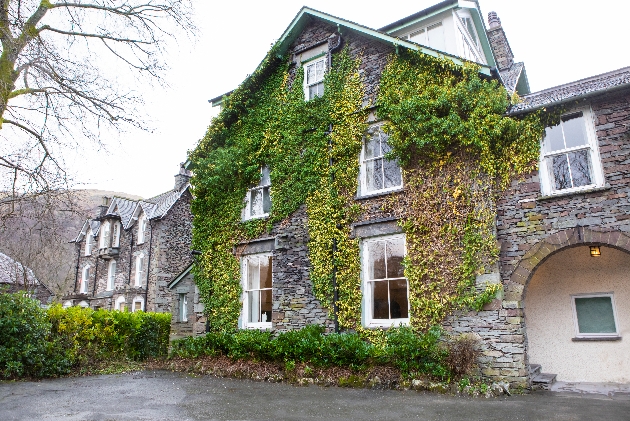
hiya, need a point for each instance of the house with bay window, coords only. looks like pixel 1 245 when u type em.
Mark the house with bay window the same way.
pixel 563 309
pixel 134 255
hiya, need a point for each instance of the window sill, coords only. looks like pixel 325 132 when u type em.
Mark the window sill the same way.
pixel 573 193
pixel 378 194
pixel 387 325
pixel 596 339
pixel 253 218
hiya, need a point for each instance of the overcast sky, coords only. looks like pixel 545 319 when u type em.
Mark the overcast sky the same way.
pixel 559 40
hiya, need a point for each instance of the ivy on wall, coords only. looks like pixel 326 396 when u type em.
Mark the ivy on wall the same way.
pixel 458 149
pixel 448 130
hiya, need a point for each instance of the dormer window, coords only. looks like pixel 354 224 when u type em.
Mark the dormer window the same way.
pixel 314 71
pixel 88 242
pixel 258 200
pixel 142 226
pixel 105 235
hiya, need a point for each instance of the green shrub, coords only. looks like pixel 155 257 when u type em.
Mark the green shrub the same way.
pixel 24 329
pixel 39 343
pixel 405 349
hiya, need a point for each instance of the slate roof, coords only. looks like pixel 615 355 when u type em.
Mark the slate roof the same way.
pixel 511 76
pixel 123 208
pixel 158 206
pixel 574 90
pixel 10 271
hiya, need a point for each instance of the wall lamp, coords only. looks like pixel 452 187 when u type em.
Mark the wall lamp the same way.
pixel 595 251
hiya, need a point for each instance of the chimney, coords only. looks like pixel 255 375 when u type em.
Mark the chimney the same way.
pixel 499 43
pixel 102 209
pixel 182 178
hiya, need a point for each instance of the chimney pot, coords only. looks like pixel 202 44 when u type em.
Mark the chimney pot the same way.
pixel 493 20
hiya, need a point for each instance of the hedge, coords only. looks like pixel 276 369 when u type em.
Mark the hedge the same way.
pixel 403 348
pixel 35 342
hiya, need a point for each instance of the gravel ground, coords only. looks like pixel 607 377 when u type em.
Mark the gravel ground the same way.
pixel 163 395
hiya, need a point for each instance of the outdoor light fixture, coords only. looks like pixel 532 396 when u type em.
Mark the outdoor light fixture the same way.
pixel 595 251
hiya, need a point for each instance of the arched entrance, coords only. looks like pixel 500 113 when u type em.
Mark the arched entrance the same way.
pixel 577 306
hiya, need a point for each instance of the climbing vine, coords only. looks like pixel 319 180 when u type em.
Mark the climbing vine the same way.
pixel 447 128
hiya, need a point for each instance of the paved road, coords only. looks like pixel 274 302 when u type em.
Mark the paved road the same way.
pixel 172 396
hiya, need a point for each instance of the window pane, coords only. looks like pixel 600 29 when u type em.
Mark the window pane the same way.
pixel 254 306
pixel 372 146
pixel 315 90
pixel 384 145
pixel 265 180
pixel 575 131
pixel 595 315
pixel 399 303
pixel 580 168
pixel 320 66
pixel 380 308
pixel 266 207
pixel 392 174
pixel 253 274
pixel 395 255
pixel 310 74
pixel 376 260
pixel 374 174
pixel 554 141
pixel 320 89
pixel 265 305
pixel 265 272
pixel 256 203
pixel 560 171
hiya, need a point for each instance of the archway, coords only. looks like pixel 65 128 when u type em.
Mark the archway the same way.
pixel 577 307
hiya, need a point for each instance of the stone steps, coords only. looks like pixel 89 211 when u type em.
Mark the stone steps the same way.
pixel 543 380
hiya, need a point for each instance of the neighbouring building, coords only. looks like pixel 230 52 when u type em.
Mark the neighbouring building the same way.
pixel 564 230
pixel 15 277
pixel 129 255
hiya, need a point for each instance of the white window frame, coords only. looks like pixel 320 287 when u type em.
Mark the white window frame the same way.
pixel 363 167
pixel 139 269
pixel 595 335
pixel 137 299
pixel 367 305
pixel 111 275
pixel 597 174
pixel 67 304
pixel 116 234
pixel 104 241
pixel 85 279
pixel 120 301
pixel 89 239
pixel 247 211
pixel 142 227
pixel 313 62
pixel 245 309
pixel 183 307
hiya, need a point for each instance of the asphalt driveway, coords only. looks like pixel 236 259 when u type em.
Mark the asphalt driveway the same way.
pixel 169 396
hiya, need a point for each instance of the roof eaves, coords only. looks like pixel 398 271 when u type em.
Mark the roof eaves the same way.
pixel 181 276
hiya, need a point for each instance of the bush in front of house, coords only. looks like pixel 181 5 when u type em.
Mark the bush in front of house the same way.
pixel 409 351
pixel 35 342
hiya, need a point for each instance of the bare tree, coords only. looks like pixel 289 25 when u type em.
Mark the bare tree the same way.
pixel 63 68
pixel 36 235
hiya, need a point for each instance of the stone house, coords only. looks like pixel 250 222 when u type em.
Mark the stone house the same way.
pixel 563 230
pixel 131 252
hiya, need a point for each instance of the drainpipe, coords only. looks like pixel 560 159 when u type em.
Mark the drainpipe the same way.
pixel 334 243
pixel 146 291
pixel 76 274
